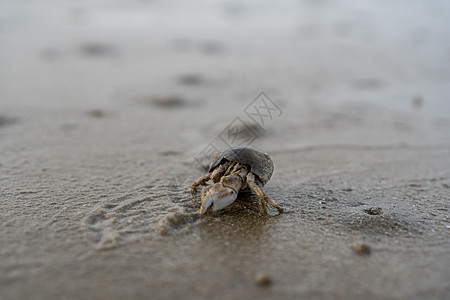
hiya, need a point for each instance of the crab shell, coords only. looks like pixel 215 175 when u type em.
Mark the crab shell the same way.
pixel 259 161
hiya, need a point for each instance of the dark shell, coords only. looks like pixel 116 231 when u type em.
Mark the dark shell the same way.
pixel 260 162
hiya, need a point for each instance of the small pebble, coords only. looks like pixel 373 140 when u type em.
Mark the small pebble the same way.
pixel 262 279
pixel 97 49
pixel 168 101
pixel 374 211
pixel 361 249
pixel 190 79
pixel 96 113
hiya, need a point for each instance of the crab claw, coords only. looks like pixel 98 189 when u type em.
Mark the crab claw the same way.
pixel 216 197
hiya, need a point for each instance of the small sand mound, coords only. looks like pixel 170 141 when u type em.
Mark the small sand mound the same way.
pixel 175 221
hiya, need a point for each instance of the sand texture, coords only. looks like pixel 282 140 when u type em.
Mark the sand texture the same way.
pixel 110 110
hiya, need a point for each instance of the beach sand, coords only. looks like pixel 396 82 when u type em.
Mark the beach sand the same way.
pixel 110 110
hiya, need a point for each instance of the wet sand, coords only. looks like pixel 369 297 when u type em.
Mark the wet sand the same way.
pixel 106 119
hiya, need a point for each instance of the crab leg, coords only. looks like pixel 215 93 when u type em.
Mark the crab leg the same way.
pixel 256 188
pixel 258 191
pixel 217 173
pixel 200 181
pixel 212 175
pixel 269 200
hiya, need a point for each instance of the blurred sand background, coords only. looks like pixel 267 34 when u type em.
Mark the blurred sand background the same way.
pixel 106 107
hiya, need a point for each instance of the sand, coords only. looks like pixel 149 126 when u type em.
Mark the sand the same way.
pixel 109 111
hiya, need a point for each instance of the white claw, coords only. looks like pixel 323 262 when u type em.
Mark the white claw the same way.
pixel 206 203
pixel 225 200
pixel 219 196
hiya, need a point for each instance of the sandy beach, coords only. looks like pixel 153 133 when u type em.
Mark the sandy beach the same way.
pixel 110 110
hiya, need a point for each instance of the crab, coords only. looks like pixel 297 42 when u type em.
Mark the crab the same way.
pixel 236 169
